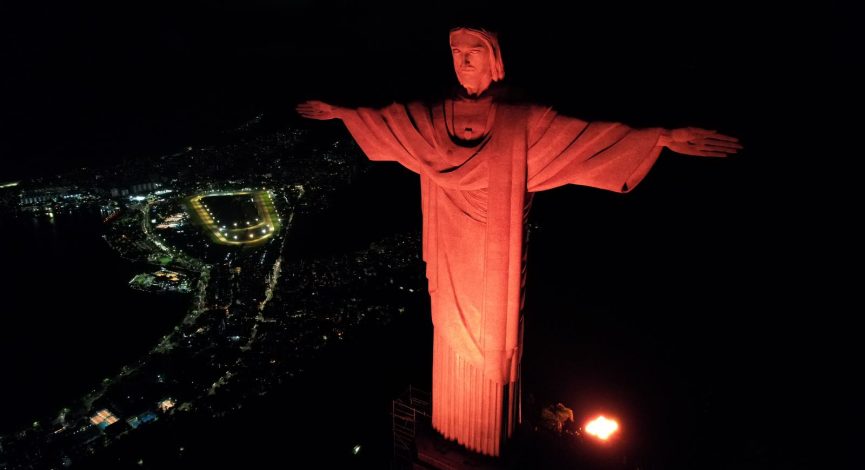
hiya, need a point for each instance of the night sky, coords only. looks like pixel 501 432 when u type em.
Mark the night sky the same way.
pixel 714 253
pixel 96 83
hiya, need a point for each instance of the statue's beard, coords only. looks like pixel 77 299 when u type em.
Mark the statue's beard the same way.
pixel 474 81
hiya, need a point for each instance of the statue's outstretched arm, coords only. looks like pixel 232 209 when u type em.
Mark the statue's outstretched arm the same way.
pixel 320 111
pixel 699 142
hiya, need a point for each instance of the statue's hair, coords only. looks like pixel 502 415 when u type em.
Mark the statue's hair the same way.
pixel 497 67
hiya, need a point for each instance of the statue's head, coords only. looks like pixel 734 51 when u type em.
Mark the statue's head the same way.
pixel 477 58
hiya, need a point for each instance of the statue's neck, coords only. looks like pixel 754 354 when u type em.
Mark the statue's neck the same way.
pixel 475 92
pixel 478 88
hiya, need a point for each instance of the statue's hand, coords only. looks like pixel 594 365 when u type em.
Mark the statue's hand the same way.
pixel 699 142
pixel 318 110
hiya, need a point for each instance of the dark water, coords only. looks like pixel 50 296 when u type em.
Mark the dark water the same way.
pixel 68 319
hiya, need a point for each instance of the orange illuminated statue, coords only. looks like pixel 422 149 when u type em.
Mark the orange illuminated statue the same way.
pixel 480 159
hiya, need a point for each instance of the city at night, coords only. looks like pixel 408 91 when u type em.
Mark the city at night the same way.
pixel 445 235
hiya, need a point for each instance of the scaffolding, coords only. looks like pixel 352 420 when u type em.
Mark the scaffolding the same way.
pixel 413 405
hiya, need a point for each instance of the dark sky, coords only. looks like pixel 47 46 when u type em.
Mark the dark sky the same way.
pixel 86 84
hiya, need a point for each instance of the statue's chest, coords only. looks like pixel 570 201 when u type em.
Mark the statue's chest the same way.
pixel 470 120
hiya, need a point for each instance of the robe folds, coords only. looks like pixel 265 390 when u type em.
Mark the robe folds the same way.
pixel 475 199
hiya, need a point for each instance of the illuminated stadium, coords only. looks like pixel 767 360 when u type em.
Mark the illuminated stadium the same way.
pixel 236 217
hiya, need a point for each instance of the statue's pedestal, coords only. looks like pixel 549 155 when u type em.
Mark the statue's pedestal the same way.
pixel 435 452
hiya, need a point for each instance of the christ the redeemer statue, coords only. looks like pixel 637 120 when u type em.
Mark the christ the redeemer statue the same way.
pixel 481 159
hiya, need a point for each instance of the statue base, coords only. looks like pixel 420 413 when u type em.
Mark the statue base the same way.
pixel 436 452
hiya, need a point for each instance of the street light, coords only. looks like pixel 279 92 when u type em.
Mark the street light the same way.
pixel 602 428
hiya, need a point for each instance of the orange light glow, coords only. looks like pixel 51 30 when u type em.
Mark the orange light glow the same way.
pixel 602 428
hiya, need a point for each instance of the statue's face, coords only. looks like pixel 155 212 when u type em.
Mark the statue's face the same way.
pixel 471 60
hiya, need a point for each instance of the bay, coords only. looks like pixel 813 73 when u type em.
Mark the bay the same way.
pixel 68 318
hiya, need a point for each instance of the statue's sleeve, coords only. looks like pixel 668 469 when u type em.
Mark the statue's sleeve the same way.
pixel 387 134
pixel 564 150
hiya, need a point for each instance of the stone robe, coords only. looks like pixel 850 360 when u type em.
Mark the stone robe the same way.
pixel 475 198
